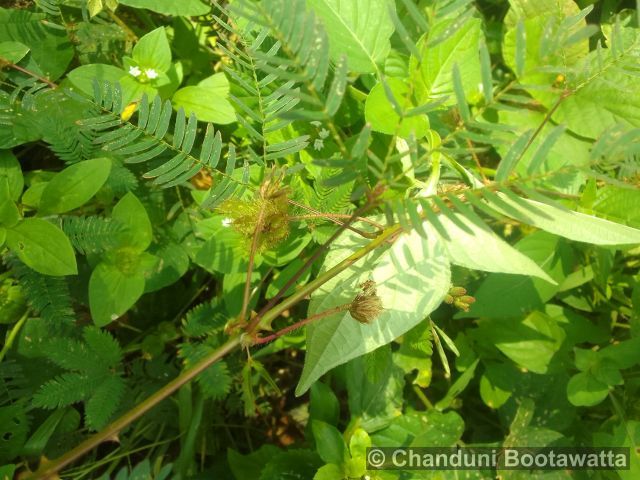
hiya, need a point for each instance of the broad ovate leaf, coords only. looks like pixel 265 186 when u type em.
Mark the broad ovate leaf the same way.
pixel 412 277
pixel 74 186
pixel 43 247
pixel 130 211
pixel 358 29
pixel 153 51
pixel 112 292
pixel 208 100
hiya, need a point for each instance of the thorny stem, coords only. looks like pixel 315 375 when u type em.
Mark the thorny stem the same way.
pixel 301 323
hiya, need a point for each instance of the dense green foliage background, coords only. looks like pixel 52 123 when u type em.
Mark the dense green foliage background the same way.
pixel 441 196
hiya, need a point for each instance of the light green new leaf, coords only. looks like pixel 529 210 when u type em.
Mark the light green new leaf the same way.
pixel 153 51
pixel 74 186
pixel 208 100
pixel 411 277
pixel 329 442
pixel 358 29
pixel 567 223
pixel 112 293
pixel 433 76
pixel 130 211
pixel 185 8
pixel 43 247
pixel 477 247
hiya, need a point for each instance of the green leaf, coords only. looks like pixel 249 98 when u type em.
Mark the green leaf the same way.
pixel 112 293
pixel 250 465
pixel 83 76
pixel 153 51
pixel 433 75
pixel 431 428
pixel 329 442
pixel 51 52
pixel 103 402
pixel 207 100
pixel 477 247
pixel 585 390
pixel 11 170
pixel 569 224
pixel 374 384
pixel 74 186
pixel 13 51
pixel 381 114
pixel 9 213
pixel 291 464
pixel 43 247
pixel 458 387
pixel 494 389
pixel 324 404
pixel 358 29
pixel 605 100
pixel 530 342
pixel 185 8
pixel 411 278
pixel 504 295
pixel 329 472
pixel 132 214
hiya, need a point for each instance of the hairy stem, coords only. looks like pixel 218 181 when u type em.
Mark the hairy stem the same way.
pixel 252 256
pixel 301 323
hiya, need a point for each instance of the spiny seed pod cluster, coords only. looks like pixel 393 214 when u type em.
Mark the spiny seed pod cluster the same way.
pixel 266 214
pixel 367 306
pixel 457 296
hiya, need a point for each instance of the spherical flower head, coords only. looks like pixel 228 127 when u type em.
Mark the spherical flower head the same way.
pixel 135 71
pixel 151 73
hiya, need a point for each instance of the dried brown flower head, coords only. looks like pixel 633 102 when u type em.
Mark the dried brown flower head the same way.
pixel 367 306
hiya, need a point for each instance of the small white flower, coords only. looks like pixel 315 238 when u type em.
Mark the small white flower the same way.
pixel 324 133
pixel 226 222
pixel 135 71
pixel 316 123
pixel 318 144
pixel 151 73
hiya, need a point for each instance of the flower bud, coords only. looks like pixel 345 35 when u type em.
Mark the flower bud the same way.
pixel 457 291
